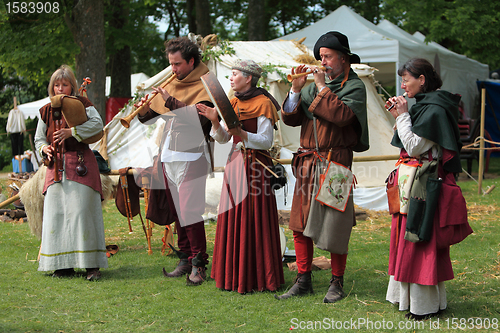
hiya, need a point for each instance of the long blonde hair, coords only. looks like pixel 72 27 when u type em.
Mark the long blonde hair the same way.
pixel 63 73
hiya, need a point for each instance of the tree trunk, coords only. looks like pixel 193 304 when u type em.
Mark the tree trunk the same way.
pixel 203 26
pixel 121 59
pixel 174 19
pixel 120 73
pixel 256 20
pixel 191 15
pixel 86 23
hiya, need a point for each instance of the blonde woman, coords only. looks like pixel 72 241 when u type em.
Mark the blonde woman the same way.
pixel 73 228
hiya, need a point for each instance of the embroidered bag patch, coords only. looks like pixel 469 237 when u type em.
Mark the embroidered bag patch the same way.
pixel 336 186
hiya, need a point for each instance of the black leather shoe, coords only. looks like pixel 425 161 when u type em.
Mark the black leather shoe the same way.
pixel 302 286
pixel 335 292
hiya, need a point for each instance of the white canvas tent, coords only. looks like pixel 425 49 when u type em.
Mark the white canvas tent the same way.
pixel 137 145
pixel 387 47
pixel 30 110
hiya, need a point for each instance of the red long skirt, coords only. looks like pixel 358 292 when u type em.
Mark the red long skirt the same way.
pixel 429 263
pixel 247 253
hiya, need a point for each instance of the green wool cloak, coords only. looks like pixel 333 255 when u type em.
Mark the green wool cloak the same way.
pixel 352 94
pixel 434 117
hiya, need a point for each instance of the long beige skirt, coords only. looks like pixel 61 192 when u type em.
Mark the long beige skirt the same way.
pixel 73 228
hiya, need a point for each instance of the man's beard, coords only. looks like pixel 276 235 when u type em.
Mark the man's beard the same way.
pixel 335 72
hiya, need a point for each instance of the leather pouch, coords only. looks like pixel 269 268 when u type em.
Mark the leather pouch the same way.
pixel 393 199
pixel 392 192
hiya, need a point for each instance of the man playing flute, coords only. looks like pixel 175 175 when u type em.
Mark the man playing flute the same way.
pixel 333 118
pixel 184 159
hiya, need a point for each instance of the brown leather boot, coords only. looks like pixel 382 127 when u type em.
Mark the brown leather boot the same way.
pixel 335 292
pixel 183 268
pixel 198 272
pixel 302 286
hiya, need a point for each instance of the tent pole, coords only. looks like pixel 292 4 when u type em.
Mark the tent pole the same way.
pixel 481 141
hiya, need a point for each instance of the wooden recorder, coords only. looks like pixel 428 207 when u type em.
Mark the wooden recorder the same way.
pixel 291 77
pixel 125 121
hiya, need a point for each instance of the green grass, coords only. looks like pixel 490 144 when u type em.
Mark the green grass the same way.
pixel 133 295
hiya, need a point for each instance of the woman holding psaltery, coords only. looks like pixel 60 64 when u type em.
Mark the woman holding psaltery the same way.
pixel 73 228
pixel 422 233
pixel 247 252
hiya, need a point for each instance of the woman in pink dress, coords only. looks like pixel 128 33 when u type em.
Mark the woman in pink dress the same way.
pixel 426 132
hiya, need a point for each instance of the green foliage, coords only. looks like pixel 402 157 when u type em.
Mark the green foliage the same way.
pixel 223 47
pixel 271 68
pixel 467 27
pixel 12 85
pixel 141 35
pixel 35 45
pixel 226 18
pixel 230 21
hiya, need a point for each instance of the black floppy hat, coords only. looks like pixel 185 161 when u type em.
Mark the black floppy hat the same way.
pixel 336 41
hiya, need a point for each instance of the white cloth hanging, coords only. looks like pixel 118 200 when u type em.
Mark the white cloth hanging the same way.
pixel 15 122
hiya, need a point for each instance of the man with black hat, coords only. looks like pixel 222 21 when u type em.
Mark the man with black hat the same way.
pixel 333 118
